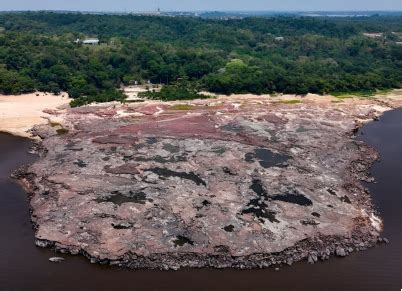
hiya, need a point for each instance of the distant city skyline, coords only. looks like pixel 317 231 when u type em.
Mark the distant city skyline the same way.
pixel 206 5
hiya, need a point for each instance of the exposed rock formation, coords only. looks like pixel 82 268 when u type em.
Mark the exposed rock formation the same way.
pixel 241 182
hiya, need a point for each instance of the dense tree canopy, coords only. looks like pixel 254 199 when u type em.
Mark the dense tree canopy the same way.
pixel 318 55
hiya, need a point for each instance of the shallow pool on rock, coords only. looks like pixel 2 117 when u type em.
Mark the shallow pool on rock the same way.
pixel 266 158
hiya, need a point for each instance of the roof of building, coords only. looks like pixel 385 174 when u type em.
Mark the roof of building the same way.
pixel 373 34
pixel 90 41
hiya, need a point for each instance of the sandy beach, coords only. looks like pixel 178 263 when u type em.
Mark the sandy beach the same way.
pixel 18 113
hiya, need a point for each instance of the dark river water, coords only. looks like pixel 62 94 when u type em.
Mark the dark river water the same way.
pixel 26 267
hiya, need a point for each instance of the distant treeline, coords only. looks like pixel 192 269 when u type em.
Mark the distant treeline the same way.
pixel 258 55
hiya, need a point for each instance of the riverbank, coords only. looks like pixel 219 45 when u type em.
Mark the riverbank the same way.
pixel 19 113
pixel 245 182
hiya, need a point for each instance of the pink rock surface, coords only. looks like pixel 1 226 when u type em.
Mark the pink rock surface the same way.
pixel 211 186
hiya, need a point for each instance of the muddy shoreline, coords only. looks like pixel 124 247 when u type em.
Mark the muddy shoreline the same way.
pixel 362 234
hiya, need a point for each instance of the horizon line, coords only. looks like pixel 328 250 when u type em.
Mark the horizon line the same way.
pixel 196 11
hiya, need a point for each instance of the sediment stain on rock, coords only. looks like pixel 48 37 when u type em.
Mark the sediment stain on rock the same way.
pixel 211 186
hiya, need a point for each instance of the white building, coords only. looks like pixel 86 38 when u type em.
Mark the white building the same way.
pixel 91 41
pixel 373 34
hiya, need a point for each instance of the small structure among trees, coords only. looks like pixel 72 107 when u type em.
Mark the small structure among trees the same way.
pixel 88 41
pixel 373 34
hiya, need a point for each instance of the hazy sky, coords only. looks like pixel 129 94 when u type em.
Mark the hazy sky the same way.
pixel 149 5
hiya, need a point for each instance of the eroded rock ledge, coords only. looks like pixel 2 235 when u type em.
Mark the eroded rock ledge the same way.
pixel 230 182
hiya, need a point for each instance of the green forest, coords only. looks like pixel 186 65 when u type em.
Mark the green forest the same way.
pixel 280 54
